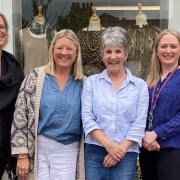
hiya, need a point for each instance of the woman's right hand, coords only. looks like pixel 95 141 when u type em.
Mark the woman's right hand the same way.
pixel 154 146
pixel 115 150
pixel 22 168
pixel 109 161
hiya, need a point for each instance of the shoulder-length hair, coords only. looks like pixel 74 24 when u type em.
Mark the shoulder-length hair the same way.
pixel 155 67
pixel 6 26
pixel 77 70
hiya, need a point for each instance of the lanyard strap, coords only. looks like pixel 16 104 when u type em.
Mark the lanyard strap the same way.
pixel 155 98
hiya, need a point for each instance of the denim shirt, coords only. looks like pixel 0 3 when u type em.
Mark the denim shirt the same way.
pixel 60 111
pixel 119 114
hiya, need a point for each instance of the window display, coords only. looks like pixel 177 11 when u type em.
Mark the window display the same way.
pixel 34 43
pixel 141 18
pixel 90 41
pixel 88 20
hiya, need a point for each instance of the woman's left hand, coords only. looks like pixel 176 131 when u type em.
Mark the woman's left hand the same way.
pixel 149 137
pixel 22 168
pixel 153 146
pixel 109 161
pixel 113 148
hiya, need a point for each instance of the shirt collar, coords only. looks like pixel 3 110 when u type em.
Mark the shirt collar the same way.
pixel 129 78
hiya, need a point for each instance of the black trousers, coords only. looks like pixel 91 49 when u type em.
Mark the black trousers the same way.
pixel 7 163
pixel 2 167
pixel 160 165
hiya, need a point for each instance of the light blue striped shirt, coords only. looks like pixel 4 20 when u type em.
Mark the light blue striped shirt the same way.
pixel 119 114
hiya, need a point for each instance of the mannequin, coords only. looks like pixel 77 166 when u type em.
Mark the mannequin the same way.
pixel 94 22
pixel 34 43
pixel 141 18
pixel 40 18
pixel 90 40
pixel 141 42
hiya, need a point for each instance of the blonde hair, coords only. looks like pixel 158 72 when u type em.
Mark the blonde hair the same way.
pixel 6 26
pixel 155 67
pixel 77 70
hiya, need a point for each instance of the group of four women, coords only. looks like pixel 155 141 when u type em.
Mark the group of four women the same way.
pixel 118 115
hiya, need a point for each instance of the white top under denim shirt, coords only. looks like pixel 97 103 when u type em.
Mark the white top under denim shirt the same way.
pixel 119 114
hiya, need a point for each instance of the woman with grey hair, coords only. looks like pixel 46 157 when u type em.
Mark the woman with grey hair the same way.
pixel 114 110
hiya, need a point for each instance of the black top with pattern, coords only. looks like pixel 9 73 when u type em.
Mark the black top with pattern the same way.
pixel 90 42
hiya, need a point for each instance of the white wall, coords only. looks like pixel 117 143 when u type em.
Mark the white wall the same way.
pixel 174 14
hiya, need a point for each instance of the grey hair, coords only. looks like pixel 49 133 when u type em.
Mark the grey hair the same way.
pixel 115 35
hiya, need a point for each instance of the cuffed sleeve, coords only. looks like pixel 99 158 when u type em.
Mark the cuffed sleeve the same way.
pixel 21 125
pixel 136 131
pixel 88 117
pixel 168 129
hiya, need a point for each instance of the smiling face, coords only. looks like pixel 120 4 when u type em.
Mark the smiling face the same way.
pixel 3 33
pixel 114 57
pixel 168 50
pixel 64 53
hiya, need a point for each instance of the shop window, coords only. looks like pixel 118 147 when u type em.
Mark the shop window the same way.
pixel 41 19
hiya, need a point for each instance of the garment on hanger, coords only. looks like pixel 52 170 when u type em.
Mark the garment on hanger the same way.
pixel 34 49
pixel 141 43
pixel 90 41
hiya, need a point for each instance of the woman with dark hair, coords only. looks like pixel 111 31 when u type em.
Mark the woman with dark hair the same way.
pixel 11 77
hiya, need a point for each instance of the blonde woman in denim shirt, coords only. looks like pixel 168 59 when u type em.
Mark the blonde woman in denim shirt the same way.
pixel 114 109
pixel 47 126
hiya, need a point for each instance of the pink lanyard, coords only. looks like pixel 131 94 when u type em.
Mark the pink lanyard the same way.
pixel 154 99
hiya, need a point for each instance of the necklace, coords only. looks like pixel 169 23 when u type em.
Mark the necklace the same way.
pixel 37 28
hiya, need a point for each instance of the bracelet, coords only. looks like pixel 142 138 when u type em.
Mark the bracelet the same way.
pixel 22 156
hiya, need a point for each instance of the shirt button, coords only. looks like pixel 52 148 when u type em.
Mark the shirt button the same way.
pixel 113 126
pixel 164 138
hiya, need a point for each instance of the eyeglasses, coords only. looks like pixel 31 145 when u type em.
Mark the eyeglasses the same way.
pixel 2 29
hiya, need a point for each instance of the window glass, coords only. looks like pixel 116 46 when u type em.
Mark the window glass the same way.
pixel 41 19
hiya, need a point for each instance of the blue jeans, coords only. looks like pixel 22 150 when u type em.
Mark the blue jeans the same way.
pixel 94 169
